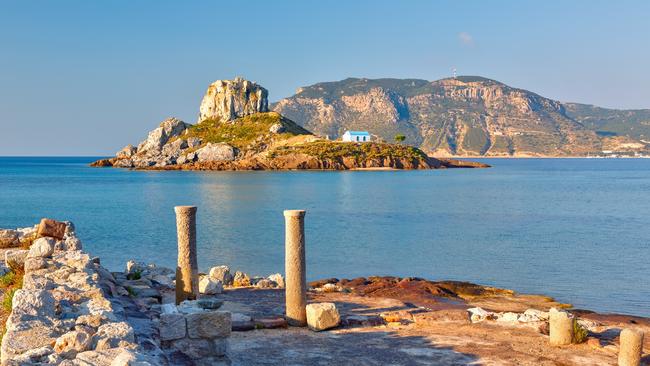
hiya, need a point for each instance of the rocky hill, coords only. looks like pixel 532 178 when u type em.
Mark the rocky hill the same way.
pixel 465 116
pixel 237 132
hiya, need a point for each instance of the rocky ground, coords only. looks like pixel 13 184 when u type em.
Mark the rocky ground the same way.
pixel 71 311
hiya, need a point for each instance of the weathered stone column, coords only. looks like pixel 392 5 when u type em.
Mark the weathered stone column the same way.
pixel 631 348
pixel 187 284
pixel 560 327
pixel 295 269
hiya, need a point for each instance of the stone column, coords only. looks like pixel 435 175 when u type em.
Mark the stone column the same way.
pixel 560 327
pixel 295 269
pixel 631 348
pixel 187 284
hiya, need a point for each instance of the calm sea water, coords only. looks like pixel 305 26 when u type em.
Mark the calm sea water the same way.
pixel 578 230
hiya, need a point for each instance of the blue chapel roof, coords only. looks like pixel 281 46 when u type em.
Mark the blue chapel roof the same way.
pixel 358 133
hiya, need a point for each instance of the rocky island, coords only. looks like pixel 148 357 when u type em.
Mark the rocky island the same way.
pixel 237 131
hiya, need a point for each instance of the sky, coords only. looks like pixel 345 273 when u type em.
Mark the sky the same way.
pixel 85 78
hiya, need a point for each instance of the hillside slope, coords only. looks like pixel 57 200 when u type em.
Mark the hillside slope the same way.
pixel 464 116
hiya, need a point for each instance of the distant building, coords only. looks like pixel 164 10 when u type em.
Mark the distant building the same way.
pixel 356 136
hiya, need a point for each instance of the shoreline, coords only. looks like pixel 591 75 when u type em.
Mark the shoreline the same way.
pixel 69 307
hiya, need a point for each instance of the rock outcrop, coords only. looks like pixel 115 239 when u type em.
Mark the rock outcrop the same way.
pixel 226 100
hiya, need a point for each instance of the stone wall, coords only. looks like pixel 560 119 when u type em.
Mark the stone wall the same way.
pixel 66 311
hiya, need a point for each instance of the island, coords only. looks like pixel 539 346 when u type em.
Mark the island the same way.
pixel 237 131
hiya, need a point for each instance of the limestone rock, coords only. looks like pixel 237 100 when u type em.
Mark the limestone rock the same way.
pixel 215 152
pixel 209 286
pixel 157 138
pixel 221 273
pixel 33 264
pixel 277 279
pixel 32 305
pixel 226 100
pixel 41 248
pixel 241 279
pixel 73 342
pixel 322 316
pixel 127 152
pixel 52 228
pixel 9 238
pixel 113 335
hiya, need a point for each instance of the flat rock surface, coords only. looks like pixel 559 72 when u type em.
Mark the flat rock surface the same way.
pixel 406 342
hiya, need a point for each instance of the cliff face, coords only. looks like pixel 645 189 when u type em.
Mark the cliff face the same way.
pixel 458 116
pixel 226 100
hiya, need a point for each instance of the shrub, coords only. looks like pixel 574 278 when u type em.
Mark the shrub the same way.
pixel 7 299
pixel 579 332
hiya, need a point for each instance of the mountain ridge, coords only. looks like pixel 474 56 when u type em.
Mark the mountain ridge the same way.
pixel 466 116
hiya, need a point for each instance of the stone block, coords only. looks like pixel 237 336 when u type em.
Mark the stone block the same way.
pixel 51 228
pixel 322 316
pixel 195 348
pixel 172 326
pixel 213 324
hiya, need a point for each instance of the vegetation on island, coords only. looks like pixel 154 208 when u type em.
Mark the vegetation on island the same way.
pixel 244 131
pixel 334 150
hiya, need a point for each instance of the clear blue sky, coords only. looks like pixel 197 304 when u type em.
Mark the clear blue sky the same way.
pixel 88 77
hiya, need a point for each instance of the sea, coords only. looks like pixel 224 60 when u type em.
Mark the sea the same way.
pixel 574 229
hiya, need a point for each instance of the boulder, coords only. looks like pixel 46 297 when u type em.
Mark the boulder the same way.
pixel 277 279
pixel 215 152
pixel 241 279
pixel 175 148
pixel 221 273
pixel 209 286
pixel 32 305
pixel 41 248
pixel 9 238
pixel 51 228
pixel 73 243
pixel 226 100
pixel 193 142
pixel 321 316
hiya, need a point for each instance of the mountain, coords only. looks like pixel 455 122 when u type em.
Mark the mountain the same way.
pixel 465 116
pixel 236 131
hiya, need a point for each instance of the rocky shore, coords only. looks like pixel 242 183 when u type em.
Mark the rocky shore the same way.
pixel 69 310
pixel 236 131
